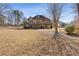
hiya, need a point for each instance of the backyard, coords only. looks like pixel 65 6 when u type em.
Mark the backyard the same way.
pixel 39 29
pixel 35 42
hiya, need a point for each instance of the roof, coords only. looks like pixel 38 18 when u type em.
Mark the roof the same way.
pixel 39 17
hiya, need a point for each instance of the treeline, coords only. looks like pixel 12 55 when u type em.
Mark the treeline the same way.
pixel 9 16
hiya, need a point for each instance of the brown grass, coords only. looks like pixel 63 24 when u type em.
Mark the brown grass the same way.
pixel 34 42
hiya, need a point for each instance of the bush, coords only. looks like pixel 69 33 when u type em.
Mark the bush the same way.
pixel 24 27
pixel 70 29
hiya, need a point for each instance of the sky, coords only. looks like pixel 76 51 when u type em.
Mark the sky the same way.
pixel 32 9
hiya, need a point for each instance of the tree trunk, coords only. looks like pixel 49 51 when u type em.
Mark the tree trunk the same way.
pixel 56 26
pixel 78 8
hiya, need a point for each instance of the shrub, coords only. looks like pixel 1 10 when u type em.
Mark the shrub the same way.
pixel 70 29
pixel 24 27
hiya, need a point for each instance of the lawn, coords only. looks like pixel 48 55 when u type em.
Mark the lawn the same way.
pixel 35 42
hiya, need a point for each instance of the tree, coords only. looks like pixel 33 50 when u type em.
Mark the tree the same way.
pixel 10 17
pixel 76 9
pixel 2 19
pixel 77 5
pixel 3 11
pixel 55 11
pixel 17 15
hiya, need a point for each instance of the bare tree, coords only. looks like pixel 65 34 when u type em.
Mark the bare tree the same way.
pixel 55 11
pixel 62 41
pixel 4 8
pixel 17 16
pixel 77 7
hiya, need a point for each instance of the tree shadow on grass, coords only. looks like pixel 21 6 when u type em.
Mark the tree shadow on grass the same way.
pixel 24 29
pixel 73 34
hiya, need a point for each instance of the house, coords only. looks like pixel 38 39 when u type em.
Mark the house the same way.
pixel 39 22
